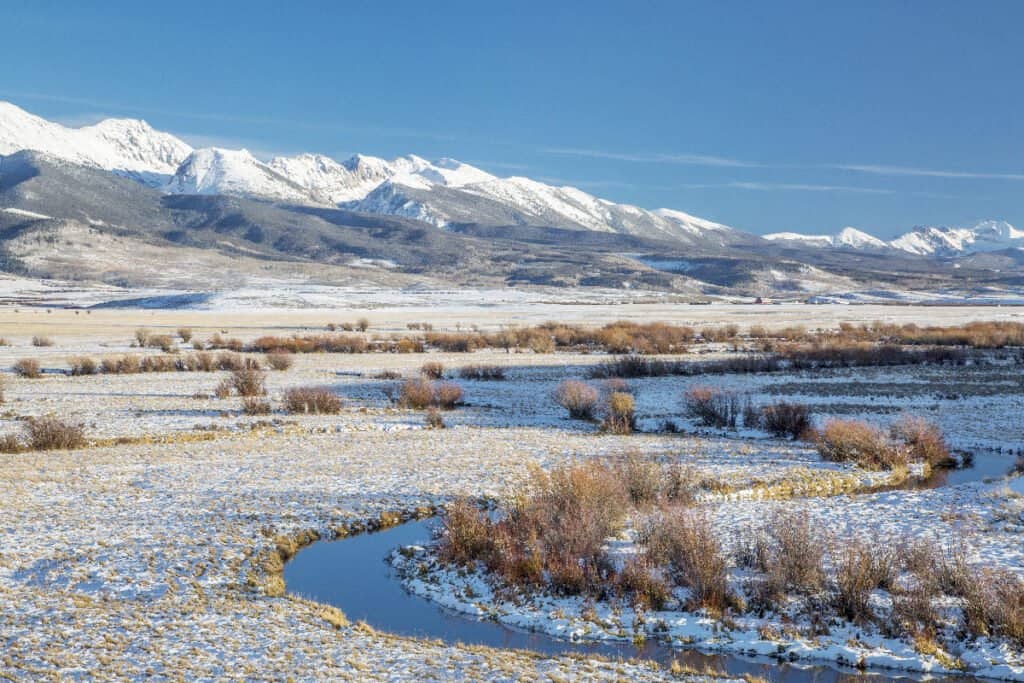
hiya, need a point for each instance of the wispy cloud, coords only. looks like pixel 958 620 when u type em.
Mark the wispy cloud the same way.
pixel 797 187
pixel 653 158
pixel 924 172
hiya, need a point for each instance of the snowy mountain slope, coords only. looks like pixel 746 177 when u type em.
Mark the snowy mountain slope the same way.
pixel 522 201
pixel 355 178
pixel 214 171
pixel 949 241
pixel 846 238
pixel 127 146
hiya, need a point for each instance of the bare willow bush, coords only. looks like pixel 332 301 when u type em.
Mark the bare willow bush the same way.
pixel 482 372
pixel 312 400
pixel 924 440
pixel 28 368
pixel 785 419
pixel 51 433
pixel 42 341
pixel 579 398
pixel 248 382
pixel 82 365
pixel 685 541
pixel 253 405
pixel 432 370
pixel 619 413
pixel 861 443
pixel 279 360
pixel 712 407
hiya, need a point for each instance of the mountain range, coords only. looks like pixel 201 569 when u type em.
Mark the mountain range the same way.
pixel 509 230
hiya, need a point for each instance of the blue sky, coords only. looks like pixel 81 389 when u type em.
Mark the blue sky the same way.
pixel 804 116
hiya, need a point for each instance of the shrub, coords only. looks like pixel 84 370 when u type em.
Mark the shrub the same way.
pixel 924 440
pixel 50 433
pixel 28 367
pixel 223 389
pixel 248 382
pixel 579 398
pixel 619 414
pixel 230 361
pixel 466 534
pixel 642 478
pixel 860 569
pixel 42 341
pixel 279 360
pixel 82 365
pixel 164 342
pixel 185 333
pixel 786 419
pixel 712 407
pixel 415 393
pixel 141 336
pixel 363 324
pixel 252 405
pixel 482 372
pixel 432 370
pixel 433 420
pixel 994 605
pixel 388 374
pixel 685 541
pixel 795 555
pixel 858 442
pixel 637 582
pixel 446 395
pixel 312 400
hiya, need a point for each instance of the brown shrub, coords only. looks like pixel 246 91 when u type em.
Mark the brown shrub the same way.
pixel 279 360
pixel 446 395
pixel 230 361
pixel 795 555
pixel 785 419
pixel 185 333
pixel 685 541
pixel 637 582
pixel 712 407
pixel 50 433
pixel 10 443
pixel 433 420
pixel 994 605
pixel 644 479
pixel 466 534
pixel 248 382
pixel 312 400
pixel 859 442
pixel 28 367
pixel 205 362
pixel 82 365
pixel 924 440
pixel 164 342
pixel 860 569
pixel 579 398
pixel 619 414
pixel 406 345
pixel 482 372
pixel 252 405
pixel 141 336
pixel 432 370
pixel 416 393
pixel 42 341
pixel 223 389
pixel 363 324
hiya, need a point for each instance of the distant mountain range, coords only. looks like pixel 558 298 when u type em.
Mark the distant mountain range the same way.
pixel 439 217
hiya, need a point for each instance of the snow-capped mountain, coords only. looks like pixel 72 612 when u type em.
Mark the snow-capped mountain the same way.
pixel 354 179
pixel 950 241
pixel 126 146
pixel 222 171
pixel 848 237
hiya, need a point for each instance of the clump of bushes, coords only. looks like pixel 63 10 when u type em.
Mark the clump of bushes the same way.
pixel 482 372
pixel 579 398
pixel 253 405
pixel 712 407
pixel 42 341
pixel 421 393
pixel 923 440
pixel 786 419
pixel 279 360
pixel 248 382
pixel 51 433
pixel 82 365
pixel 185 333
pixel 860 443
pixel 432 370
pixel 619 413
pixel 28 368
pixel 685 542
pixel 312 400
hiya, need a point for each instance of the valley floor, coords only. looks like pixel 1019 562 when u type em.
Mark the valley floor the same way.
pixel 144 554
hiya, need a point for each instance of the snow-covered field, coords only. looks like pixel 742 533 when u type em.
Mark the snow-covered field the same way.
pixel 141 559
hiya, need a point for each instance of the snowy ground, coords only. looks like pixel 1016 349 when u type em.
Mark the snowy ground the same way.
pixel 138 560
